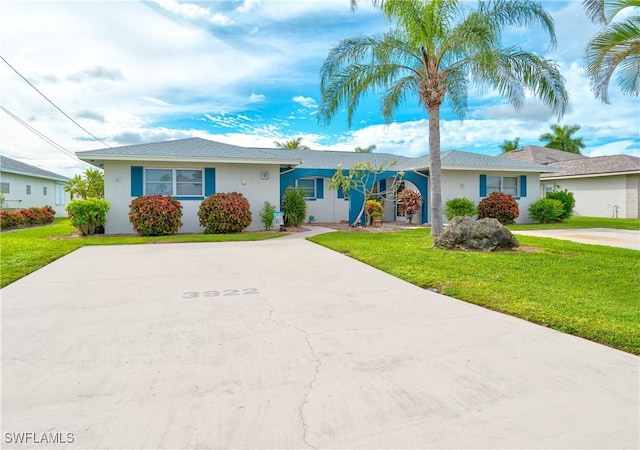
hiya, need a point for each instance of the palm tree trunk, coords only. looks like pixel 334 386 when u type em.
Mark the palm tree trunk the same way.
pixel 435 183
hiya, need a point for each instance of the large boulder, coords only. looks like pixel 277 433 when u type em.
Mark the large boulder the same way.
pixel 464 233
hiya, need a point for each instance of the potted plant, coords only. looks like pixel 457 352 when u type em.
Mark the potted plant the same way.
pixel 376 219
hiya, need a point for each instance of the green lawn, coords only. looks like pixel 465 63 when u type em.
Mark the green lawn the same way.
pixel 586 290
pixel 25 251
pixel 584 222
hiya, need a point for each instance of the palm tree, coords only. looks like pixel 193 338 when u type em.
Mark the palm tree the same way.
pixel 292 144
pixel 509 146
pixel 368 149
pixel 616 48
pixel 561 138
pixel 438 49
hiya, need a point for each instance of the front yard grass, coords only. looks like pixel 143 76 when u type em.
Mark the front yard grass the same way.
pixel 584 222
pixel 25 251
pixel 590 291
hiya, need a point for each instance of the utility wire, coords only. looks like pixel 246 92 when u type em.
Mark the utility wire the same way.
pixel 54 105
pixel 39 134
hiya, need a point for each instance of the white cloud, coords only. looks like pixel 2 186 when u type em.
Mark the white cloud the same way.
pixel 256 98
pixel 186 10
pixel 307 102
pixel 155 101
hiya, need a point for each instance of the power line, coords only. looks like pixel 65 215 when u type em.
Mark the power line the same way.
pixel 54 105
pixel 39 134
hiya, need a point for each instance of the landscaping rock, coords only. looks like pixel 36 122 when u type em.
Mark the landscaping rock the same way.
pixel 464 233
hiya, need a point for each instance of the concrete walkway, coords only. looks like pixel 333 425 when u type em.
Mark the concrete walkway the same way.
pixel 600 236
pixel 285 344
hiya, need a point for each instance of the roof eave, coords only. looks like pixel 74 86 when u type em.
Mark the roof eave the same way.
pixel 35 175
pixel 93 158
pixel 590 175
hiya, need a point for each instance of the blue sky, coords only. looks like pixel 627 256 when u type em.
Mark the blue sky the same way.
pixel 246 72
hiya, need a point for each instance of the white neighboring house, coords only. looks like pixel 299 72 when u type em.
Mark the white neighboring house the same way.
pixel 26 186
pixel 192 169
pixel 603 186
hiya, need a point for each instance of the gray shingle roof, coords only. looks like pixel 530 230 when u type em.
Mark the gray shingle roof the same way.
pixel 191 148
pixel 599 165
pixel 197 148
pixel 456 159
pixel 11 165
pixel 540 155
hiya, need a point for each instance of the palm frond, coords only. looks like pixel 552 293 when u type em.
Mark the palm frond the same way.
pixel 618 45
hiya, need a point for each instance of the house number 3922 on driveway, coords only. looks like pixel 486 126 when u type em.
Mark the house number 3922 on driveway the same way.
pixel 224 293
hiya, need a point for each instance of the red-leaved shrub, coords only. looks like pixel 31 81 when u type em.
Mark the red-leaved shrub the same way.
pixel 499 206
pixel 155 215
pixel 26 217
pixel 224 213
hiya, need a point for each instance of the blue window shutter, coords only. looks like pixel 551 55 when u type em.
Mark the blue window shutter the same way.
pixel 340 193
pixel 523 185
pixel 137 177
pixel 383 187
pixel 209 181
pixel 319 187
pixel 483 185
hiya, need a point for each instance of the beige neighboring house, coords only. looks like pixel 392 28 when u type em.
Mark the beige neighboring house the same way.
pixel 603 186
pixel 26 186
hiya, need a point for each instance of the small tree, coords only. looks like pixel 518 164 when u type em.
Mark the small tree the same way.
pixel 362 177
pixel 294 207
pixel 88 185
pixel 267 215
pixel 410 201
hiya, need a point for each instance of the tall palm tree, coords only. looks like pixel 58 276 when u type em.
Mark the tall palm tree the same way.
pixel 561 138
pixel 616 48
pixel 509 146
pixel 292 144
pixel 437 50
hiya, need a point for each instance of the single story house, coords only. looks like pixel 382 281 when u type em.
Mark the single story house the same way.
pixel 603 186
pixel 191 169
pixel 26 186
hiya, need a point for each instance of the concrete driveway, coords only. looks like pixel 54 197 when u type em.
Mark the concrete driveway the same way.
pixel 285 344
pixel 600 236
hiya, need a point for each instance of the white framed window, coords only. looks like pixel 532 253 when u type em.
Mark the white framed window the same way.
pixel 308 185
pixel 174 182
pixel 5 187
pixel 44 190
pixel 28 189
pixel 507 185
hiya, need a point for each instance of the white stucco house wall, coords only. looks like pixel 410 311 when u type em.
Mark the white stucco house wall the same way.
pixel 27 186
pixel 192 169
pixel 603 186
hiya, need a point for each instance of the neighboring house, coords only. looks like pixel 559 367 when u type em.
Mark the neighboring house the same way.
pixel 603 186
pixel 192 169
pixel 26 186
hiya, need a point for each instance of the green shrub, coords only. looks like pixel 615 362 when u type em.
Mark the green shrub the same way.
pixel 460 206
pixel 155 215
pixel 499 206
pixel 224 213
pixel 267 215
pixel 546 210
pixel 88 215
pixel 568 202
pixel 294 207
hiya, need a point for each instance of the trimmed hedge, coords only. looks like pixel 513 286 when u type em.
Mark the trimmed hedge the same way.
pixel 88 215
pixel 26 217
pixel 224 213
pixel 568 202
pixel 499 206
pixel 155 215
pixel 460 207
pixel 546 210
